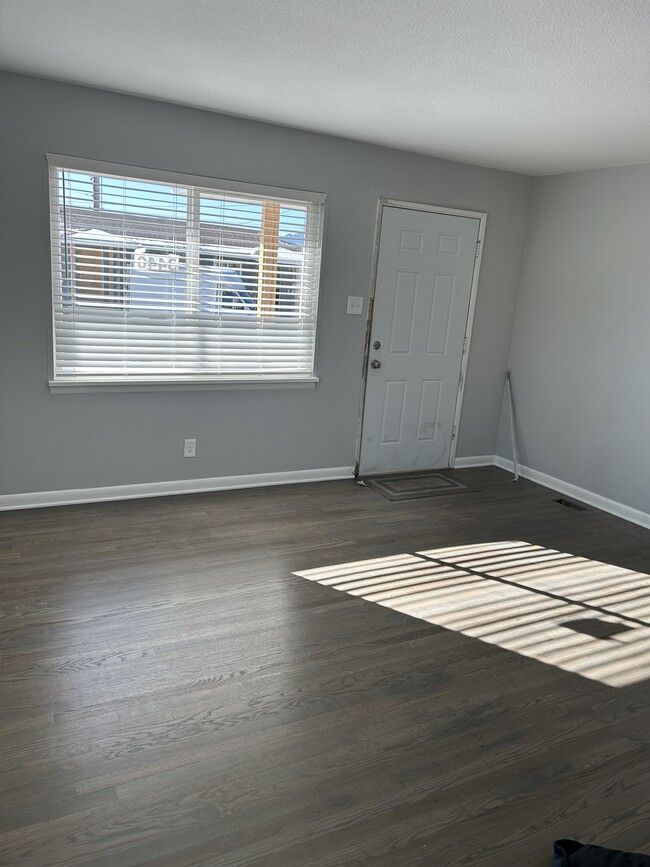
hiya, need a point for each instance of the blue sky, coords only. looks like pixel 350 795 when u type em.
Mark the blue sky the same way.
pixel 159 200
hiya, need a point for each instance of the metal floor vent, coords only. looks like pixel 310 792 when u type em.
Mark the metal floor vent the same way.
pixel 571 505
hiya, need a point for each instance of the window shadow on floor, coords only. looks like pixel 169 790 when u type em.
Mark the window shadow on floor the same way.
pixel 583 616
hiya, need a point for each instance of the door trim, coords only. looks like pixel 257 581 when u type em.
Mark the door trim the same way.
pixel 481 216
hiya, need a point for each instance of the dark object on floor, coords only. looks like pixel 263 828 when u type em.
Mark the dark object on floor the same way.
pixel 570 853
pixel 571 505
pixel 410 486
pixel 596 627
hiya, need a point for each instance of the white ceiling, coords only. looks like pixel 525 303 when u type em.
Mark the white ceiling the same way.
pixel 534 86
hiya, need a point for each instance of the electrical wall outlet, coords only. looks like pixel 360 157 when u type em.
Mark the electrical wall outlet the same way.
pixel 189 448
pixel 355 305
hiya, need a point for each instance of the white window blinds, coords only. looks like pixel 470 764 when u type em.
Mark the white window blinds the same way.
pixel 155 279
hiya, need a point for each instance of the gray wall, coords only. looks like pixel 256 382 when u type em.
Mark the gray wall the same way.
pixel 580 354
pixel 57 441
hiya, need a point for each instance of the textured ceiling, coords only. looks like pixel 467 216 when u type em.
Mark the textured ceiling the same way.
pixel 535 86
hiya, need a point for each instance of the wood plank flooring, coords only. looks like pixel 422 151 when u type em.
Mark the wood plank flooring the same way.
pixel 172 696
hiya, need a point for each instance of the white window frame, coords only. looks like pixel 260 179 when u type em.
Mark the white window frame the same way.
pixel 175 383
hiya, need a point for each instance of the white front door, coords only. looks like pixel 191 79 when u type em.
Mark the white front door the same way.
pixel 425 268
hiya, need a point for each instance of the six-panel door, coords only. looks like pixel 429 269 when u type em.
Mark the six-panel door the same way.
pixel 424 279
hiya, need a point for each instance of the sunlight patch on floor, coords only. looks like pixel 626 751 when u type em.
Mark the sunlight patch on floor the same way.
pixel 524 598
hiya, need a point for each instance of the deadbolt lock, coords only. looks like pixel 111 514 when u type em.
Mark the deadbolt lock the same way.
pixel 376 344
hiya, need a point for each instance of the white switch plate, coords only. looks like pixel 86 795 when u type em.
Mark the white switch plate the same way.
pixel 355 305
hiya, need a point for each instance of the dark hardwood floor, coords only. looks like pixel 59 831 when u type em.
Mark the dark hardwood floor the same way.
pixel 172 696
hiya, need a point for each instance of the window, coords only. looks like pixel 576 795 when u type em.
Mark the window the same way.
pixel 160 278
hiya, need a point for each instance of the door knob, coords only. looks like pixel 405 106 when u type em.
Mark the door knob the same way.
pixel 375 364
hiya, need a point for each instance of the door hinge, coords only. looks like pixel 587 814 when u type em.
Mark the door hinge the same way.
pixel 478 249
pixel 461 380
pixel 453 432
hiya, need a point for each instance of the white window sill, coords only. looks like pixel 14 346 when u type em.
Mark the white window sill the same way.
pixel 62 386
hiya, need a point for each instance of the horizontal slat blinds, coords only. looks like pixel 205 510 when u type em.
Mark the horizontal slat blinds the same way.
pixel 156 280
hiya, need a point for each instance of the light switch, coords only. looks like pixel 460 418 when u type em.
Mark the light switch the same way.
pixel 355 305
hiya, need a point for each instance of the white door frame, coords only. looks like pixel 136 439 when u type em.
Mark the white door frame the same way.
pixel 481 216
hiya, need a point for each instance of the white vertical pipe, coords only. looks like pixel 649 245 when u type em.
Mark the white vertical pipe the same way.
pixel 515 460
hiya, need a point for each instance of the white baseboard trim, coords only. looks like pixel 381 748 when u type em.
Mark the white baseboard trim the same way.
pixel 40 499
pixel 70 497
pixel 620 510
pixel 474 461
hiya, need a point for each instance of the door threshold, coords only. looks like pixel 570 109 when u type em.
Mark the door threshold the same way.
pixel 402 473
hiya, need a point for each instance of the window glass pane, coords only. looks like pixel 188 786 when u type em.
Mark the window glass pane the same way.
pixel 124 241
pixel 159 279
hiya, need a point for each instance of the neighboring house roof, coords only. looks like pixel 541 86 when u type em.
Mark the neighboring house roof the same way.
pixel 162 228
